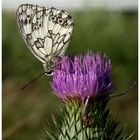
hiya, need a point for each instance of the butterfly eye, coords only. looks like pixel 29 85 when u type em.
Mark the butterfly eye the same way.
pixel 60 21
pixel 52 18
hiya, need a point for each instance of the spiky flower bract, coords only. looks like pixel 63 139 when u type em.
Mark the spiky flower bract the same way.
pixel 71 127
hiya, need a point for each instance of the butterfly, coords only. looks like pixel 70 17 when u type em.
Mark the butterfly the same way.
pixel 46 32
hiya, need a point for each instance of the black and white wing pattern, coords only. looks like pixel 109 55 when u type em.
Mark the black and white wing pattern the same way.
pixel 47 32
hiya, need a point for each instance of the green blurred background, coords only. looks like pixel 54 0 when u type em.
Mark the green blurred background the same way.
pixel 26 113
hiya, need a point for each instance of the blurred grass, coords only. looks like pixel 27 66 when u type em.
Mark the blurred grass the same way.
pixel 113 33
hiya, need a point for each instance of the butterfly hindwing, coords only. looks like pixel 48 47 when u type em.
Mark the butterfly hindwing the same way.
pixel 25 15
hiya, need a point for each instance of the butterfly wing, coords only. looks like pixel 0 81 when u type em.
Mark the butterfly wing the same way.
pixel 46 32
pixel 60 32
pixel 24 15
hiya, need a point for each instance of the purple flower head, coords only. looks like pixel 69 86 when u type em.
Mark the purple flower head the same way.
pixel 83 77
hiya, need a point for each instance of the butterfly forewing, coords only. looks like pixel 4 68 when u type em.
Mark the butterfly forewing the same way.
pixel 46 32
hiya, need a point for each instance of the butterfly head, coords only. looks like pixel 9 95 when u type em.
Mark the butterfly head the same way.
pixel 50 66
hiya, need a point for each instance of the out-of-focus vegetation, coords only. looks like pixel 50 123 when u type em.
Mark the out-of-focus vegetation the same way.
pixel 25 113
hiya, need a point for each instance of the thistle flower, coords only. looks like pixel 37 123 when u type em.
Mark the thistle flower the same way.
pixel 81 77
pixel 85 80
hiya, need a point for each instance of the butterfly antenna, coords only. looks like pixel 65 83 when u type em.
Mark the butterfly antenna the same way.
pixel 32 81
pixel 125 92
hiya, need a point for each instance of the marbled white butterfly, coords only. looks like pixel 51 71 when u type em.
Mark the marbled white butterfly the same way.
pixel 47 32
